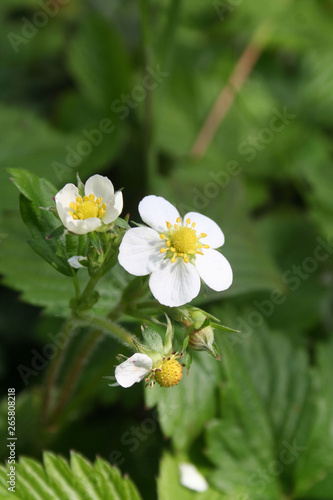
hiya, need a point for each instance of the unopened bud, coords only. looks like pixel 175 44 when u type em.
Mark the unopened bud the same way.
pixel 202 339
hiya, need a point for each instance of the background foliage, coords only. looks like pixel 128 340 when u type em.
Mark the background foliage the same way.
pixel 259 423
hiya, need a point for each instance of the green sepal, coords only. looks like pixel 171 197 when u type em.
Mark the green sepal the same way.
pixel 119 222
pixel 95 241
pixel 153 339
pixel 80 185
pixel 187 360
pixel 223 328
pixel 168 336
pixel 185 343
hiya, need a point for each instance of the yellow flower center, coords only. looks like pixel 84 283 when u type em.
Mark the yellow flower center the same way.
pixel 169 373
pixel 182 241
pixel 87 207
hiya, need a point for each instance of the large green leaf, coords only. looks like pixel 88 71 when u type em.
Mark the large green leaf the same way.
pixel 183 410
pixel 316 462
pixel 99 62
pixel 40 284
pixel 275 413
pixel 57 480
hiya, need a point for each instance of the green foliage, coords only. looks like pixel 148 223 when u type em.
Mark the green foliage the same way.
pixel 77 480
pixel 257 424
pixel 274 419
pixel 184 410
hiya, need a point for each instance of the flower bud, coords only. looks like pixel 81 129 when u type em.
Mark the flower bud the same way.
pixel 202 339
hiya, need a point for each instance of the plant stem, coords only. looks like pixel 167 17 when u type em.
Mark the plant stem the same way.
pixel 150 150
pixel 76 285
pixel 53 370
pixel 109 327
pixel 72 377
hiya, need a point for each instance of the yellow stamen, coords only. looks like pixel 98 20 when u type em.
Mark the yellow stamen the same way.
pixel 87 207
pixel 182 241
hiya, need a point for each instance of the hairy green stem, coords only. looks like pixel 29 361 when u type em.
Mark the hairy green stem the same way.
pixel 73 376
pixel 116 331
pixel 53 370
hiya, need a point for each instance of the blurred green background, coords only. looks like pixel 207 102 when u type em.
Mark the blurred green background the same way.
pixel 155 70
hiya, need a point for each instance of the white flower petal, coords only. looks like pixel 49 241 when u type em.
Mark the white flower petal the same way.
pixel 175 284
pixel 113 208
pixel 139 251
pixel 75 261
pixel 191 478
pixel 133 370
pixel 82 226
pixel 63 198
pixel 214 270
pixel 100 186
pixel 155 211
pixel 203 224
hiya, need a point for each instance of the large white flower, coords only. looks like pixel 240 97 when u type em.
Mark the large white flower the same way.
pixel 176 252
pixel 133 370
pixel 99 205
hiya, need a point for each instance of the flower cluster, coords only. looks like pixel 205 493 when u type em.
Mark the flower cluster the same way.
pixel 176 252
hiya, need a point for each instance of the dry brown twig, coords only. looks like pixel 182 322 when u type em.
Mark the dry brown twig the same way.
pixel 243 69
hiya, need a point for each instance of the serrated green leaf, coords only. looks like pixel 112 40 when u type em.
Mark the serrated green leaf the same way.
pixel 184 410
pixel 36 189
pixel 40 226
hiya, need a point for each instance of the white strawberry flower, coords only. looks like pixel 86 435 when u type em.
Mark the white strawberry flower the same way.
pixel 176 252
pixel 133 370
pixel 191 478
pixel 99 205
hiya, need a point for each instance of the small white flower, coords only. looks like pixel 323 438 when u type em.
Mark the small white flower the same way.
pixel 176 252
pixel 191 478
pixel 133 370
pixel 100 205
pixel 75 261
